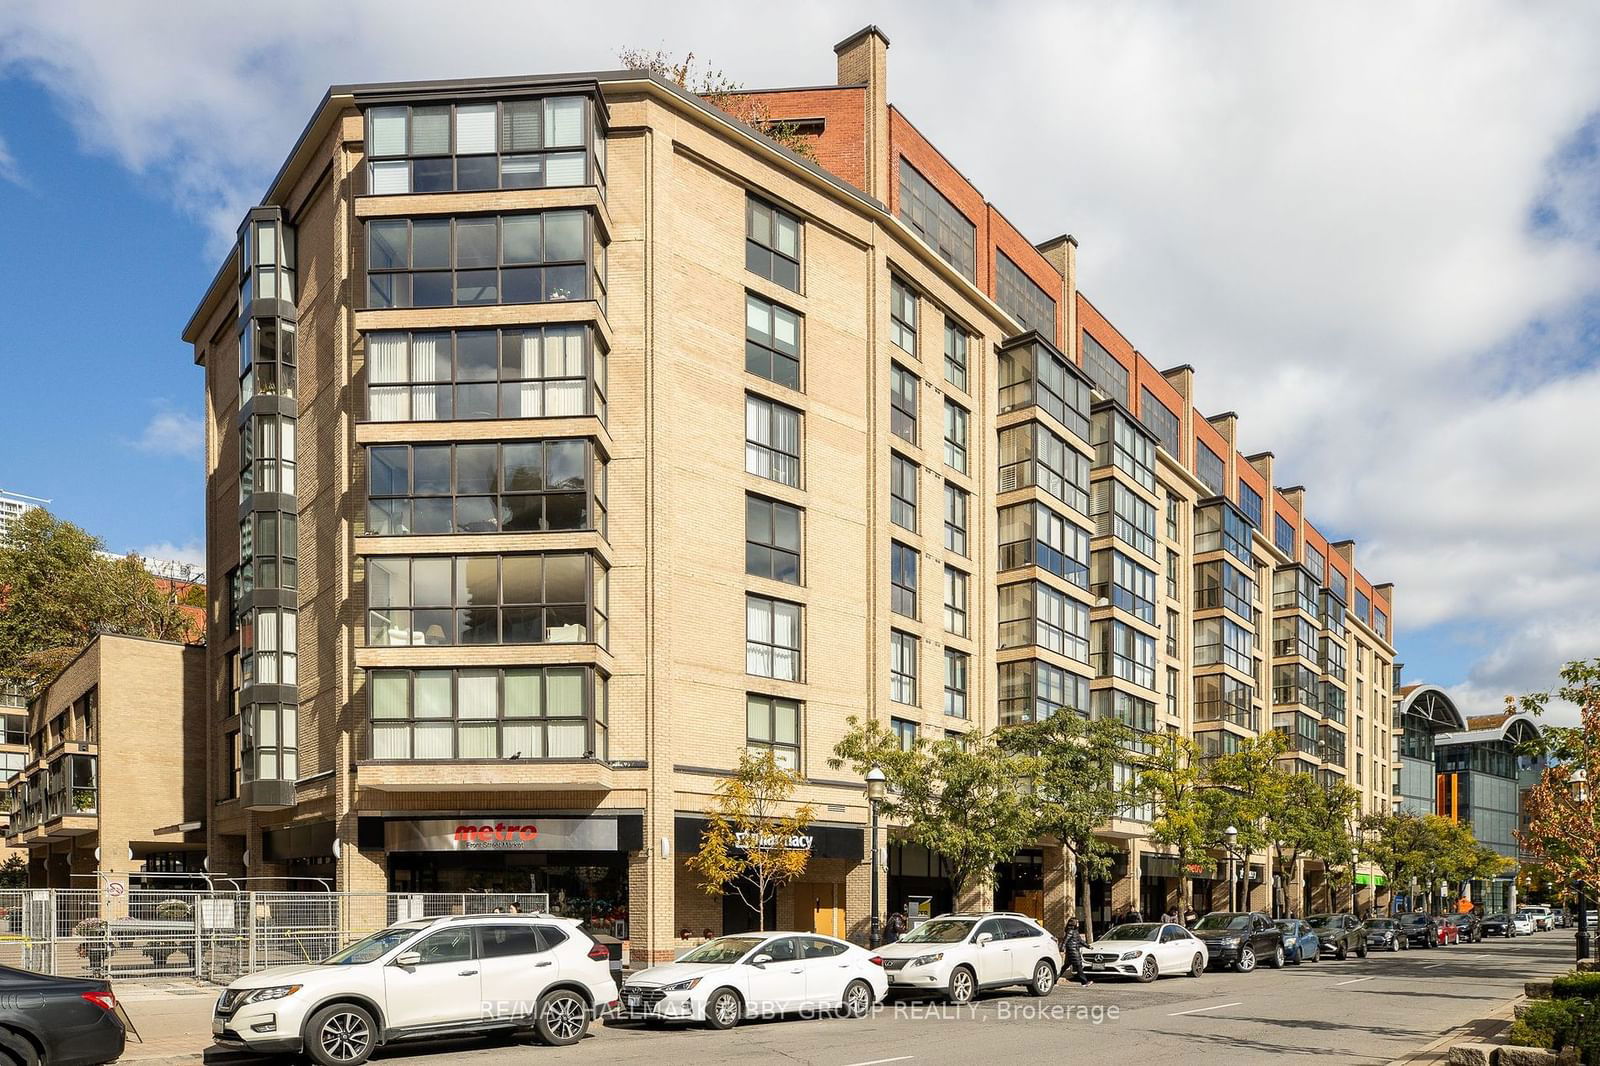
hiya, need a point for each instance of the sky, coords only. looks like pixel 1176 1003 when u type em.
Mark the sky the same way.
pixel 1372 228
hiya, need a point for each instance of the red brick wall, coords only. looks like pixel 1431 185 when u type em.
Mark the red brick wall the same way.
pixel 840 146
pixel 1091 321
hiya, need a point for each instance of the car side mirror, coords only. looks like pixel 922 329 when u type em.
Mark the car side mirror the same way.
pixel 983 938
pixel 760 960
pixel 408 959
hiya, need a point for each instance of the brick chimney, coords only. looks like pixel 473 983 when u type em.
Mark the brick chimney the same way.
pixel 864 60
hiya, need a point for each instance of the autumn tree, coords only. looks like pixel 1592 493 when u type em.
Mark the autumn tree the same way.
pixel 755 838
pixel 1171 780
pixel 1563 810
pixel 1333 826
pixel 1248 787
pixel 721 92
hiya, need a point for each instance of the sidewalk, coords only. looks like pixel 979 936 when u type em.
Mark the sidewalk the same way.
pixel 1487 1030
pixel 172 1017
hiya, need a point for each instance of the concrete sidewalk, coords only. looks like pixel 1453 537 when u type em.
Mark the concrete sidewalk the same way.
pixel 172 1018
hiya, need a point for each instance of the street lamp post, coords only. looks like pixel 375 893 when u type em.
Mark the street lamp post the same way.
pixel 876 787
pixel 1230 836
pixel 1579 785
pixel 1355 885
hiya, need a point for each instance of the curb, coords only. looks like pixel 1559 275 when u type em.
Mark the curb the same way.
pixel 1430 1052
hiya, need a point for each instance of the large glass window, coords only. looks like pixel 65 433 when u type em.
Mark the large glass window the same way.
pixel 1363 607
pixel 902 492
pixel 902 315
pixel 937 221
pixel 1033 613
pixel 470 147
pixel 527 712
pixel 1022 298
pixel 1129 586
pixel 1108 375
pixel 536 257
pixel 903 579
pixel 771 440
pixel 1333 614
pixel 955 601
pixel 469 374
pixel 1221 528
pixel 1031 534
pixel 772 539
pixel 773 724
pixel 267 455
pixel 267 650
pixel 1293 683
pixel 1210 469
pixel 269 549
pixel 1250 503
pixel 1316 562
pixel 553 598
pixel 267 358
pixel 1294 635
pixel 1030 454
pixel 1121 442
pixel 1036 375
pixel 902 403
pixel 516 487
pixel 772 638
pixel 955 436
pixel 1220 698
pixel 771 341
pixel 1122 651
pixel 1219 583
pixel 269 742
pixel 1283 535
pixel 1160 420
pixel 1222 640
pixel 956 502
pixel 1380 623
pixel 772 243
pixel 1292 587
pixel 955 683
pixel 1339 584
pixel 955 354
pixel 1031 691
pixel 903 652
pixel 1124 514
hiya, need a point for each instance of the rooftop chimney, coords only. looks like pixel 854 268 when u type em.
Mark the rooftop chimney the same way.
pixel 864 60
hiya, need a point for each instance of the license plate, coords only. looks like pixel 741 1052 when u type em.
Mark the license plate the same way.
pixel 216 1027
pixel 633 1002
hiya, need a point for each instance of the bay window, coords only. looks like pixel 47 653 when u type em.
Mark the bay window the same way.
pixel 532 486
pixel 553 598
pixel 1034 614
pixel 1030 454
pixel 533 257
pixel 556 371
pixel 1031 534
pixel 1032 691
pixel 551 712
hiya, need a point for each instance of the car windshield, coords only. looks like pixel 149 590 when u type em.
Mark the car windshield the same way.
pixel 1414 919
pixel 1380 923
pixel 1495 918
pixel 372 948
pixel 1460 919
pixel 938 931
pixel 1322 921
pixel 1142 931
pixel 724 949
pixel 1213 922
pixel 1288 925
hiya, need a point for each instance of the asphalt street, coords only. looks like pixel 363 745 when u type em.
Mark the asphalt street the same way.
pixel 1371 1010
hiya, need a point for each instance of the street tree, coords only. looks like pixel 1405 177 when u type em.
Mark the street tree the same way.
pixel 1248 786
pixel 755 838
pixel 1293 829
pixel 1396 842
pixel 1171 780
pixel 1562 833
pixel 1333 820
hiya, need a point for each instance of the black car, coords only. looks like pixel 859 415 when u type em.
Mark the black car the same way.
pixel 1340 934
pixel 1240 939
pixel 57 1021
pixel 1384 934
pixel 1470 925
pixel 1420 929
pixel 1497 925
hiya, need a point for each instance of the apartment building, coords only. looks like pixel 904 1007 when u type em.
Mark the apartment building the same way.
pixel 12 507
pixel 113 784
pixel 508 591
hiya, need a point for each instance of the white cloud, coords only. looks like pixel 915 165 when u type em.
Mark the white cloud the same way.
pixel 173 433
pixel 9 170
pixel 1330 210
pixel 190 553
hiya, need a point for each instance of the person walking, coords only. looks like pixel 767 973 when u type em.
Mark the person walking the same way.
pixel 1072 944
pixel 897 927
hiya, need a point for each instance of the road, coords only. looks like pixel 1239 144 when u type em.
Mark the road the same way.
pixel 1369 1010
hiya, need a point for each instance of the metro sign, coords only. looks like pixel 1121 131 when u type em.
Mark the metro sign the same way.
pixel 499 835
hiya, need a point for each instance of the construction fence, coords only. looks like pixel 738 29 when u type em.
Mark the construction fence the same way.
pixel 214 935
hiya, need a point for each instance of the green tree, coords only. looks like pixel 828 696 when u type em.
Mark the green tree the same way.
pixel 1333 836
pixel 721 92
pixel 755 838
pixel 967 802
pixel 1172 781
pixel 14 872
pixel 1248 786
pixel 1396 842
pixel 1563 809
pixel 1070 763
pixel 1293 828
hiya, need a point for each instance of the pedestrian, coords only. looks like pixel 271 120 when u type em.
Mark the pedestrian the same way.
pixel 897 927
pixel 1189 917
pixel 1072 944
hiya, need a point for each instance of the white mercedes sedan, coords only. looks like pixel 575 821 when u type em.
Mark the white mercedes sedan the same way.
pixel 757 975
pixel 1146 950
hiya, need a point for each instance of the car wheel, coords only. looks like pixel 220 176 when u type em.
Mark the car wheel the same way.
pixel 341 1034
pixel 857 1000
pixel 1197 965
pixel 1394 945
pixel 1148 971
pixel 1361 950
pixel 723 1009
pixel 563 1018
pixel 1247 960
pixel 17 1050
pixel 1277 958
pixel 962 986
pixel 1341 951
pixel 1044 979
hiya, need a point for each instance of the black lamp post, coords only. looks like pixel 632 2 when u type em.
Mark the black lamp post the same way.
pixel 1580 785
pixel 876 787
pixel 1230 837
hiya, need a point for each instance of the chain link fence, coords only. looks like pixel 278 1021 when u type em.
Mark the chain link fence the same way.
pixel 71 932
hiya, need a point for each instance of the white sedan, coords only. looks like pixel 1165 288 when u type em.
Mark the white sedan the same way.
pixel 756 975
pixel 1147 950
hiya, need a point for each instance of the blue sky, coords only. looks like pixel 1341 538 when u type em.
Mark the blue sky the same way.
pixel 1374 230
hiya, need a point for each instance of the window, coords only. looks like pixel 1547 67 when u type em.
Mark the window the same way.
pixel 516 487
pixel 1033 613
pixel 902 315
pixel 1035 374
pixel 552 712
pixel 508 941
pixel 1174 519
pixel 955 601
pixel 1250 503
pixel 1363 607
pixel 1121 442
pixel 1293 683
pixel 771 539
pixel 955 436
pixel 267 358
pixel 555 598
pixel 1103 368
pixel 771 341
pixel 1380 623
pixel 903 651
pixel 1030 454
pixel 267 653
pixel 1129 586
pixel 13 729
pixel 1293 635
pixel 1137 714
pixel 1172 633
pixel 772 638
pixel 267 455
pixel 773 724
pixel 955 355
pixel 1122 651
pixel 1219 583
pixel 955 519
pixel 1172 574
pixel 1172 692
pixel 1222 640
pixel 1339 584
pixel 1031 534
pixel 1210 469
pixel 905 733
pixel 955 683
pixel 903 579
pixel 465 374
pixel 269 549
pixel 1021 298
pixel 1220 698
pixel 470 147
pixel 1292 587
pixel 484 259
pixel 1160 420
pixel 1031 691
pixel 1122 513
pixel 937 221
pixel 902 403
pixel 772 243
pixel 902 492
pixel 1316 562
pixel 1283 535
pixel 771 440
pixel 1221 528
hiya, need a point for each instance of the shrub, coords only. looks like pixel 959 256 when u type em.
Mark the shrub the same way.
pixel 174 910
pixel 1576 986
pixel 1559 1024
pixel 90 927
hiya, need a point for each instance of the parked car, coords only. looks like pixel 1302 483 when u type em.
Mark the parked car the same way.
pixel 1563 919
pixel 1543 917
pixel 1524 923
pixel 57 1021
pixel 1449 932
pixel 1240 939
pixel 462 974
pixel 1300 942
pixel 1147 950
pixel 1421 930
pixel 957 955
pixel 1385 934
pixel 1469 927
pixel 1340 934
pixel 1499 925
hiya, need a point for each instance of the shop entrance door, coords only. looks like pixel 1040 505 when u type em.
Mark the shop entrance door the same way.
pixel 819 908
pixel 1029 902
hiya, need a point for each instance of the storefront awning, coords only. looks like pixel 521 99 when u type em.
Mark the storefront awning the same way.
pixel 822 841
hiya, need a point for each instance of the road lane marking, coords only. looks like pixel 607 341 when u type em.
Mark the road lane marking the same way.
pixel 1197 1010
pixel 879 1062
pixel 1354 981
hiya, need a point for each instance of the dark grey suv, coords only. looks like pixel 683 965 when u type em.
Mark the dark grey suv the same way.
pixel 1240 939
pixel 1342 935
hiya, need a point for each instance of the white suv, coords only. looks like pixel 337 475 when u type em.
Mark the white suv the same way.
pixel 959 954
pixel 430 977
